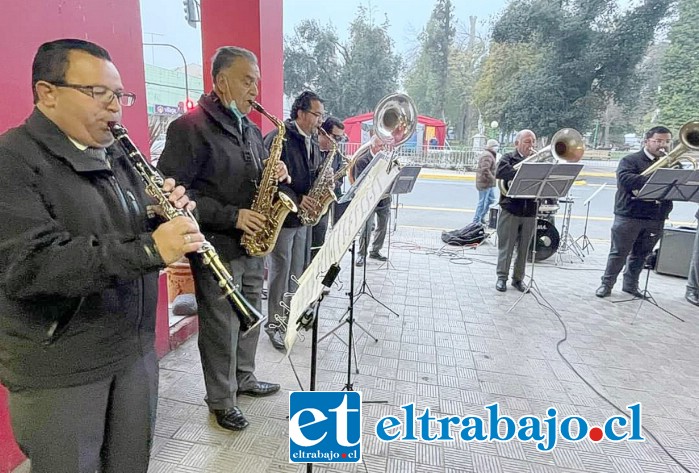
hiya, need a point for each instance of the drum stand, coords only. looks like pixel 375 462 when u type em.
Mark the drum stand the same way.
pixel 568 244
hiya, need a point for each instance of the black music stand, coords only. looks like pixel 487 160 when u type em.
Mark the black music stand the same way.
pixel 665 184
pixel 403 184
pixel 541 181
pixel 586 243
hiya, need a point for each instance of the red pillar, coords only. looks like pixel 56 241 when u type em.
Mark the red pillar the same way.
pixel 255 25
pixel 26 24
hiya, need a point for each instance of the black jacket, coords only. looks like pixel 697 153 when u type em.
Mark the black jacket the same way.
pixel 220 167
pixel 78 268
pixel 629 179
pixel 302 171
pixel 506 171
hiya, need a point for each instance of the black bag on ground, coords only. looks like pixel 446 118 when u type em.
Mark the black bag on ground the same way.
pixel 471 234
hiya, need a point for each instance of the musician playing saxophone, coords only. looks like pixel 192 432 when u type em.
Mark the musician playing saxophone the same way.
pixel 219 153
pixel 336 131
pixel 291 253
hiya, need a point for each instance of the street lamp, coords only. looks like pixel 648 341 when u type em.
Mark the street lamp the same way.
pixel 184 61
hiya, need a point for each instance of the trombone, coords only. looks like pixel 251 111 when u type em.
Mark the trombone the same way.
pixel 566 145
pixel 689 140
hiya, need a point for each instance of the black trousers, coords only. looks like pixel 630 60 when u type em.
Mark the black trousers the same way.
pixel 227 357
pixel 107 425
pixel 633 240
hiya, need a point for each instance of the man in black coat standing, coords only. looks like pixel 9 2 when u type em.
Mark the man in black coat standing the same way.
pixel 79 266
pixel 517 218
pixel 291 253
pixel 638 224
pixel 218 152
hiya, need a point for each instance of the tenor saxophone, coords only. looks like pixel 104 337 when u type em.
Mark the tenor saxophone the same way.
pixel 268 200
pixel 323 188
pixel 248 316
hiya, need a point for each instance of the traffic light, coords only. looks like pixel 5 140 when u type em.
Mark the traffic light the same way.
pixel 191 12
pixel 189 105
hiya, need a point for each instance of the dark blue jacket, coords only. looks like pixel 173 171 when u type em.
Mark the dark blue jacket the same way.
pixel 629 181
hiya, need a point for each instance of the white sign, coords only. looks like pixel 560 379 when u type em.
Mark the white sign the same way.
pixel 369 193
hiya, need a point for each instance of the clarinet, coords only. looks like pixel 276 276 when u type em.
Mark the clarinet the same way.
pixel 248 316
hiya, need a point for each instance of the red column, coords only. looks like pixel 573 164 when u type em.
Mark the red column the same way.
pixel 255 25
pixel 26 24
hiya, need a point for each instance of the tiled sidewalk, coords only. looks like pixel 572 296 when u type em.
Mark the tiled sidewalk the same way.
pixel 454 349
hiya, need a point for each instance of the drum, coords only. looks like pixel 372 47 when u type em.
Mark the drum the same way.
pixel 547 240
pixel 548 206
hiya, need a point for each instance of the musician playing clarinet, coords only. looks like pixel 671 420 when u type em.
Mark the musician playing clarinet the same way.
pixel 79 265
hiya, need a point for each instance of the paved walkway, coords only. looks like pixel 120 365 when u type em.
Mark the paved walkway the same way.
pixel 453 348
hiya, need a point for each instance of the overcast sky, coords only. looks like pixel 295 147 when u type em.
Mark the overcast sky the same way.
pixel 163 22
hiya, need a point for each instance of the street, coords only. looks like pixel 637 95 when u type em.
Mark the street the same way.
pixel 450 204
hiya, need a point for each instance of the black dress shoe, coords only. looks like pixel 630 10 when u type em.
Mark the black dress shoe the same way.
pixel 260 389
pixel 231 419
pixel 378 256
pixel 519 285
pixel 360 261
pixel 276 336
pixel 692 297
pixel 634 292
pixel 501 285
pixel 603 291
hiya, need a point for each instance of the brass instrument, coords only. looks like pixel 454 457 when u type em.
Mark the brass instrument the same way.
pixel 269 201
pixel 566 145
pixel 323 188
pixel 395 119
pixel 248 316
pixel 689 140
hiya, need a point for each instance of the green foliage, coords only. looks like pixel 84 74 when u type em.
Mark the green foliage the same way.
pixel 679 83
pixel 587 53
pixel 351 78
pixel 427 83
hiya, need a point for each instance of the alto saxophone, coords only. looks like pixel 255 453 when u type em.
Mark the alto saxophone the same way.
pixel 248 316
pixel 323 188
pixel 269 201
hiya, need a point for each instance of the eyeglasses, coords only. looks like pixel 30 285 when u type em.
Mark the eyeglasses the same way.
pixel 316 114
pixel 661 142
pixel 102 94
pixel 339 138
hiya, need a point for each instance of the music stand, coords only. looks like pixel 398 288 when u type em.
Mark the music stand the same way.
pixel 586 243
pixel 404 184
pixel 541 181
pixel 666 184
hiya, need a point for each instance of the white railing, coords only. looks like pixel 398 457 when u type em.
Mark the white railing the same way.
pixel 440 157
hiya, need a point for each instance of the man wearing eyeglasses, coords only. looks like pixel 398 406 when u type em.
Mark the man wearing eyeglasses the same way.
pixel 638 224
pixel 290 255
pixel 336 129
pixel 79 265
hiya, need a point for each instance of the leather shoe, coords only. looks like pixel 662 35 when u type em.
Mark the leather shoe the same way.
pixel 360 261
pixel 634 292
pixel 501 285
pixel 231 419
pixel 260 389
pixel 519 285
pixel 377 256
pixel 276 336
pixel 692 297
pixel 603 291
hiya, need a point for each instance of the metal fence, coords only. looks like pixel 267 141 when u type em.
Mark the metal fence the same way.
pixel 431 157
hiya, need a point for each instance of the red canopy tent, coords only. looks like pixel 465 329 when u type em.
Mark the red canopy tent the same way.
pixel 433 127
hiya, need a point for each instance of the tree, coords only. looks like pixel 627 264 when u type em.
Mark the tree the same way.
pixel 679 82
pixel 312 62
pixel 351 78
pixel 428 81
pixel 371 69
pixel 588 53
